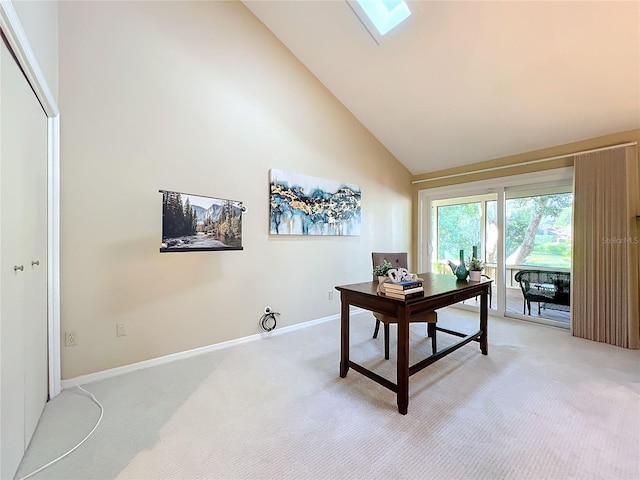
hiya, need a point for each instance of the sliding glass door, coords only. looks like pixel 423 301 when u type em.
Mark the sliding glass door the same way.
pixel 461 224
pixel 538 238
pixel 516 228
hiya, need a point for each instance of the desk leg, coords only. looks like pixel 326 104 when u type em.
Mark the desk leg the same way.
pixel 403 361
pixel 484 315
pixel 344 336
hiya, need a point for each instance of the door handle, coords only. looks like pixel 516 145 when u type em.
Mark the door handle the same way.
pixel 35 262
pixel 18 267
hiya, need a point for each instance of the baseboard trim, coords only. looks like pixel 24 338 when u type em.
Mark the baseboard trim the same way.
pixel 114 372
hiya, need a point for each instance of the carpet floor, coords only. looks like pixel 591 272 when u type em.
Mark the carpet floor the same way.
pixel 541 405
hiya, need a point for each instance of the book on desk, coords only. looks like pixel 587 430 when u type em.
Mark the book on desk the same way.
pixel 404 292
pixel 405 296
pixel 403 286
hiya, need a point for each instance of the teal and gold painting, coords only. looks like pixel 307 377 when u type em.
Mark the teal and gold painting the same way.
pixel 305 205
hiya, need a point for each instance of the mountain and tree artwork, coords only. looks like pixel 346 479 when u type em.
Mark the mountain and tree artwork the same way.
pixel 192 223
pixel 305 205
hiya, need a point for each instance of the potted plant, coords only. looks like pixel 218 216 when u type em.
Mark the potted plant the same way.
pixel 380 271
pixel 475 267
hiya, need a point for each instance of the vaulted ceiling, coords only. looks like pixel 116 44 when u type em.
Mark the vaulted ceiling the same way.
pixel 462 82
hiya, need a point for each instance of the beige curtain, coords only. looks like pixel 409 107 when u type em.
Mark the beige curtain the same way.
pixel 604 291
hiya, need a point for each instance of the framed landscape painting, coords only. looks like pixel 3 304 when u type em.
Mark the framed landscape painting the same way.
pixel 193 223
pixel 304 205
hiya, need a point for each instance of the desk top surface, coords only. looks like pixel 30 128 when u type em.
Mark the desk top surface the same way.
pixel 434 284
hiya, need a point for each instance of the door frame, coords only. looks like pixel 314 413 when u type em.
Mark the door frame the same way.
pixel 19 43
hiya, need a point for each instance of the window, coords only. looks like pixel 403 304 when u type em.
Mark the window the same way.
pixel 380 16
pixel 538 228
pixel 518 223
pixel 461 223
pixel 385 14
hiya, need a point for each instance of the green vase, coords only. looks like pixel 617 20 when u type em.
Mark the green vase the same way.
pixel 461 271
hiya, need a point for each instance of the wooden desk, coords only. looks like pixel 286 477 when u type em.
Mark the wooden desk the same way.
pixel 439 291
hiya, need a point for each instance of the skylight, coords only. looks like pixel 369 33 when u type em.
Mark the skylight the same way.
pixel 385 14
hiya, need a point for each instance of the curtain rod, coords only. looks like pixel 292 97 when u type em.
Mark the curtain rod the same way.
pixel 530 162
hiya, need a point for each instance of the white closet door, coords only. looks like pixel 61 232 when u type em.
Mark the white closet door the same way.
pixel 23 239
pixel 36 373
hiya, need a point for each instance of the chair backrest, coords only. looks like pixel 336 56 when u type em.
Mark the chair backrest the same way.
pixel 398 260
pixel 561 280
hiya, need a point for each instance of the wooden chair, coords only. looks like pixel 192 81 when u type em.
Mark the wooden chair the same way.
pixel 399 260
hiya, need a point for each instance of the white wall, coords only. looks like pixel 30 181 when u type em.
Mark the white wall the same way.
pixel 199 97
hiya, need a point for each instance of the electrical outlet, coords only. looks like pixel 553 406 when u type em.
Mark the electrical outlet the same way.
pixel 330 295
pixel 70 339
pixel 121 329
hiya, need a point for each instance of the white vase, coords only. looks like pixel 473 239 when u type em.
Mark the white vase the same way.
pixel 475 275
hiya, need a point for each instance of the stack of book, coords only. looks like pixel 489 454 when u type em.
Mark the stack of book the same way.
pixel 404 290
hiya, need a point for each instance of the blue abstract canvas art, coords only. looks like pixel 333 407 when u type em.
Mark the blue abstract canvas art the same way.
pixel 304 205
